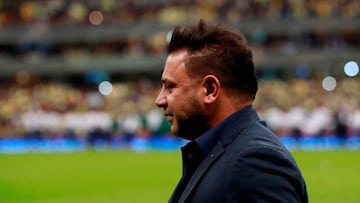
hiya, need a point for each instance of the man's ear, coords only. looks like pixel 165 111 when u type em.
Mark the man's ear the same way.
pixel 211 86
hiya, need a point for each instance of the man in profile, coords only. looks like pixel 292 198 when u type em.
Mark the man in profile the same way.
pixel 208 86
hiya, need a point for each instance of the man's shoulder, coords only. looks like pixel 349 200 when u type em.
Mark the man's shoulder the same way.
pixel 257 137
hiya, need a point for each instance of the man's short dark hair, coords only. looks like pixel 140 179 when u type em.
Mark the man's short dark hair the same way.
pixel 219 50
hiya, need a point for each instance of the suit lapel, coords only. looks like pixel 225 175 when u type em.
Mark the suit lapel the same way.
pixel 175 192
pixel 204 166
pixel 233 128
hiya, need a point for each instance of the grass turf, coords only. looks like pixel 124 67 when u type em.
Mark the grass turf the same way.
pixel 124 176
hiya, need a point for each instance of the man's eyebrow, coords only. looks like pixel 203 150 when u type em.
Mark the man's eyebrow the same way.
pixel 165 80
pixel 168 82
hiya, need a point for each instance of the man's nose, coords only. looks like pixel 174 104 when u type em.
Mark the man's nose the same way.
pixel 160 101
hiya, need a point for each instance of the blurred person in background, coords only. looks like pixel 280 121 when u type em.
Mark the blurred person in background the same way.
pixel 208 86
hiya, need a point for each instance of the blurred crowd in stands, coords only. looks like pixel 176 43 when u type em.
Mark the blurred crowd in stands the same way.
pixel 37 17
pixel 33 107
pixel 294 107
pixel 172 11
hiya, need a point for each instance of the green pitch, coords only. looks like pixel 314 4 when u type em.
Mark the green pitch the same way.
pixel 123 176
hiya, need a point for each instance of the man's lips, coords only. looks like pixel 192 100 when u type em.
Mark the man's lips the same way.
pixel 169 117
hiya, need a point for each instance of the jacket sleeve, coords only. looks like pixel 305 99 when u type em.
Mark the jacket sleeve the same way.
pixel 265 175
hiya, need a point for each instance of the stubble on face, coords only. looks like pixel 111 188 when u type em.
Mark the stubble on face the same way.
pixel 191 122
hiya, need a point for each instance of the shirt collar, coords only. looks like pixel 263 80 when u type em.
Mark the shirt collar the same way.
pixel 209 139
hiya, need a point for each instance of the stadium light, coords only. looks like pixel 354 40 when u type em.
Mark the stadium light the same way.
pixel 351 68
pixel 105 88
pixel 329 83
pixel 96 17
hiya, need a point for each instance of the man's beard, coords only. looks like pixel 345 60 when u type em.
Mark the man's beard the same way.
pixel 193 124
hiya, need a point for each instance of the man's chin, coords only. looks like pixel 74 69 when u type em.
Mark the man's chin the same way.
pixel 184 133
pixel 176 134
pixel 186 136
pixel 173 131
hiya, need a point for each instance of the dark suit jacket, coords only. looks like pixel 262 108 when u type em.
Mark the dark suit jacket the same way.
pixel 248 164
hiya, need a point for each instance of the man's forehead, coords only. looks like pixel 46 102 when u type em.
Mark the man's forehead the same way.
pixel 175 61
pixel 174 69
pixel 178 56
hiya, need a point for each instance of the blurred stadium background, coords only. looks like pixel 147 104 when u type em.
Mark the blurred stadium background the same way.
pixel 84 72
pixel 77 74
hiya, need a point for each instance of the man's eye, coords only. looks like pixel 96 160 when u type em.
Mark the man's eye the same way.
pixel 169 89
